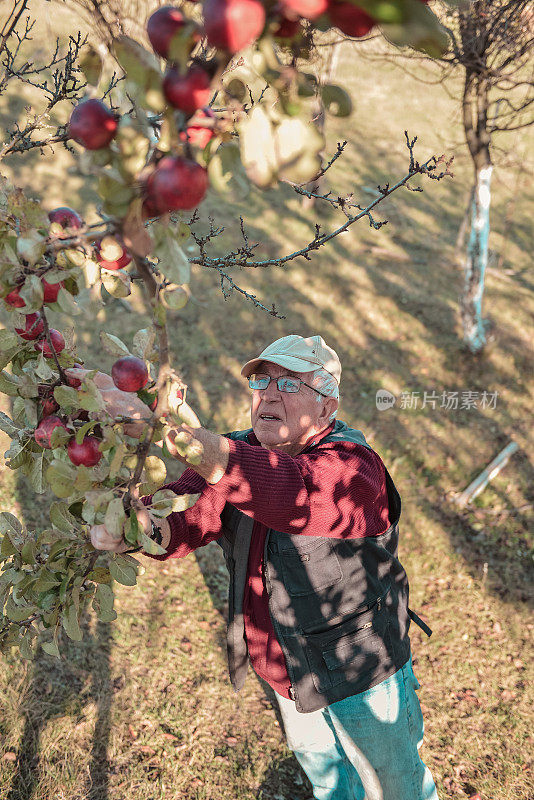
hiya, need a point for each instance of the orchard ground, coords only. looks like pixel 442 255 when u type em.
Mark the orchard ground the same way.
pixel 143 707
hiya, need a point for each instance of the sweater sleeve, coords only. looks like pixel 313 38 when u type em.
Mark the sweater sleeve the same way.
pixel 337 489
pixel 196 526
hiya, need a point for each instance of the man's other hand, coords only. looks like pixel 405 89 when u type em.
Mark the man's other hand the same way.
pixel 118 403
pixel 101 539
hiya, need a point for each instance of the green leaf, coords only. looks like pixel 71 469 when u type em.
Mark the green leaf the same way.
pixel 70 622
pixel 84 479
pixel 6 424
pixel 122 572
pixel 42 369
pixel 18 613
pixel 100 575
pixel 89 402
pixel 67 303
pixel 7 548
pixel 131 530
pixel 90 64
pixel 31 247
pixel 8 339
pixel 165 502
pixel 227 174
pixel 113 345
pixel 155 474
pixel 37 473
pixel 173 262
pixel 419 29
pixel 143 342
pixel 116 461
pixel 67 397
pixel 8 385
pixel 61 518
pixel 30 408
pixel 115 517
pixel 61 478
pixel 59 437
pixel 26 644
pixel 149 545
pixel 32 293
pixel 51 648
pixel 84 430
pixel 117 284
pixel 336 100
pixel 135 60
pixel 45 581
pixel 10 524
pixel 103 603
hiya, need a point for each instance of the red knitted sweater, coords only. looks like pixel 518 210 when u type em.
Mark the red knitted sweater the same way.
pixel 335 489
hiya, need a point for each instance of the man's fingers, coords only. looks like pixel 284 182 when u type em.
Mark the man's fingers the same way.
pixel 101 539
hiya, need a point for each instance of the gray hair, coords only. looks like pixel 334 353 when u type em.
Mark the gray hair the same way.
pixel 324 382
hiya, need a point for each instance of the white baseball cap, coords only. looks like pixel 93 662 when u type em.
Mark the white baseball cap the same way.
pixel 299 354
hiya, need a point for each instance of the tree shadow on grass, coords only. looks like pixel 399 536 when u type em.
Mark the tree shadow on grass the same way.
pixel 58 689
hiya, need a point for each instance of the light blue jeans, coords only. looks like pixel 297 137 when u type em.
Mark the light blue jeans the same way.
pixel 365 747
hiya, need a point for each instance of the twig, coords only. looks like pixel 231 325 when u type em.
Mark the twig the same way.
pixel 52 350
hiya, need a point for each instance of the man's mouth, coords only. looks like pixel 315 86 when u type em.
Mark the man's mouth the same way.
pixel 269 417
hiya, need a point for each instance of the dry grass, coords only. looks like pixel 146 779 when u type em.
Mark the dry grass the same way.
pixel 143 708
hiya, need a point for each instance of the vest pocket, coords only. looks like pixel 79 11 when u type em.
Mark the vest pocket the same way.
pixel 350 651
pixel 310 570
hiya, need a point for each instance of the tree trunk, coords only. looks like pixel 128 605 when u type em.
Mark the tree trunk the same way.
pixel 475 108
pixel 476 262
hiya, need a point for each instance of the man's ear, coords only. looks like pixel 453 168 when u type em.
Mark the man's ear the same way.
pixel 329 406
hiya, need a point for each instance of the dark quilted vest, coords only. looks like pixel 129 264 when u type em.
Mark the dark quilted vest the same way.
pixel 339 607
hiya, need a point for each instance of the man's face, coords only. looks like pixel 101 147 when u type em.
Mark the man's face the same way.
pixel 284 421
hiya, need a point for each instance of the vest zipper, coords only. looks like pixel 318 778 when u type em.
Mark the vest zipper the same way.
pixel 281 642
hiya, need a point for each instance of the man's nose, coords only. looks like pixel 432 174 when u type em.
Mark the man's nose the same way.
pixel 272 391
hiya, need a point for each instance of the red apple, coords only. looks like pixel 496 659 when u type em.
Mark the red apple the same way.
pixel 58 343
pixel 286 28
pixel 150 210
pixel 196 134
pixel 74 382
pixel 176 183
pixel 129 374
pixel 50 291
pixel 112 254
pixel 49 406
pixel 87 453
pixel 66 217
pixel 92 124
pixel 14 299
pixel 233 24
pixel 44 430
pixel 187 92
pixel 161 27
pixel 33 327
pixel 349 19
pixel 309 9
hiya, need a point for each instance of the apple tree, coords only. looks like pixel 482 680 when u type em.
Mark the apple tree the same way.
pixel 220 101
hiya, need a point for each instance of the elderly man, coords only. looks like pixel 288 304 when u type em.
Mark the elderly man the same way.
pixel 307 516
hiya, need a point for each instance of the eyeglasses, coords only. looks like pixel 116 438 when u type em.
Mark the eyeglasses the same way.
pixel 285 384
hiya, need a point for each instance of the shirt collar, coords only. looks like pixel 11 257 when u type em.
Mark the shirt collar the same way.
pixel 311 442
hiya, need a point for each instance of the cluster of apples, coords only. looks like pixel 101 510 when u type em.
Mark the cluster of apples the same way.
pixel 110 253
pixel 177 181
pixel 130 374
